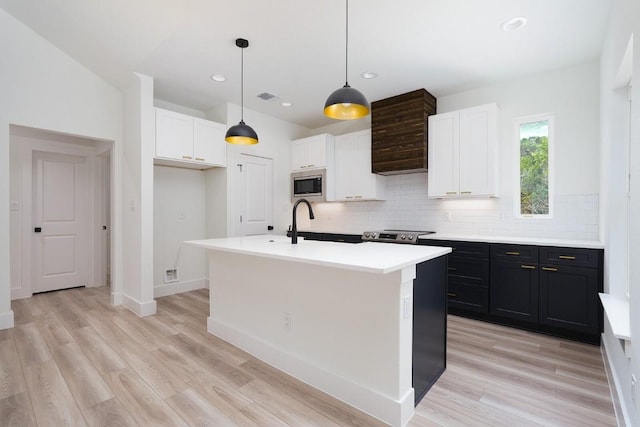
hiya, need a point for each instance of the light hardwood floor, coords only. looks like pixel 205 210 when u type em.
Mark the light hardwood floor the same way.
pixel 72 359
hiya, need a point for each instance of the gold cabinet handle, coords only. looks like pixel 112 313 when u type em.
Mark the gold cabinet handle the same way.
pixel 549 269
pixel 512 253
pixel 528 267
pixel 451 268
pixel 187 157
pixel 200 159
pixel 566 257
pixel 357 197
pixel 465 192
pixel 451 192
pixel 451 294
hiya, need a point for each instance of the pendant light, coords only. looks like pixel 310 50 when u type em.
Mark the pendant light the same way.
pixel 346 103
pixel 241 134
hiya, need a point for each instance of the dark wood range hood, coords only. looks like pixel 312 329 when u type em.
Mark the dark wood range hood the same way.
pixel 399 133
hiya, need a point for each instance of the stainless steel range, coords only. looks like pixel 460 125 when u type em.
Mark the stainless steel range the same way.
pixel 394 236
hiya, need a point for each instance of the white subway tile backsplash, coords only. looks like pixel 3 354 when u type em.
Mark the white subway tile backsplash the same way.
pixel 407 207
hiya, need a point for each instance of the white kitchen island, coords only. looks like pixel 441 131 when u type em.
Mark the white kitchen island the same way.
pixel 337 316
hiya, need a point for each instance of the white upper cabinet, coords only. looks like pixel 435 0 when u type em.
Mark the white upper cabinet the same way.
pixel 312 152
pixel 187 141
pixel 354 180
pixel 463 153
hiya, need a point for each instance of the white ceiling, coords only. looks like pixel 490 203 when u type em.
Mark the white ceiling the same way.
pixel 297 46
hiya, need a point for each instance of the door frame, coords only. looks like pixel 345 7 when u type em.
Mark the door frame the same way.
pixel 89 153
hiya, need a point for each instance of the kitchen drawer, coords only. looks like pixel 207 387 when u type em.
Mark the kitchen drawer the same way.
pixel 589 258
pixel 468 297
pixel 460 248
pixel 469 270
pixel 519 253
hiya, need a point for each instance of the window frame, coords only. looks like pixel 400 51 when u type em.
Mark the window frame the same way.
pixel 550 118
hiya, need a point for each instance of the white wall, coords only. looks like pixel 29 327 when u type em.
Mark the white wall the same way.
pixel 139 149
pixel 623 21
pixel 572 95
pixel 45 89
pixel 179 207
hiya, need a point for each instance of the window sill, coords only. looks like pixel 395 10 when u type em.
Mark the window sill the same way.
pixel 617 311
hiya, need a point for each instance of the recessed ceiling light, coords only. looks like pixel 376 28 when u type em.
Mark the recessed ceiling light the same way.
pixel 218 77
pixel 286 104
pixel 369 75
pixel 514 24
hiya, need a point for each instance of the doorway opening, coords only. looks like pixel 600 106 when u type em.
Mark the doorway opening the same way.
pixel 60 190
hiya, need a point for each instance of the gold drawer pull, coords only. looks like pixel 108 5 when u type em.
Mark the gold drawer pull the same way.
pixel 187 157
pixel 512 253
pixel 451 294
pixel 452 192
pixel 465 192
pixel 200 159
pixel 452 268
pixel 528 267
pixel 566 257
pixel 549 269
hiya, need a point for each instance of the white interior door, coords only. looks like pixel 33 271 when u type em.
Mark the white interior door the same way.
pixel 59 237
pixel 255 195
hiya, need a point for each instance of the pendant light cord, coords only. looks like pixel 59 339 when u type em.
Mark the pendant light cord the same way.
pixel 242 84
pixel 346 50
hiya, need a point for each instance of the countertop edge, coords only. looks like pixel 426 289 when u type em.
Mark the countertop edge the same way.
pixel 587 244
pixel 315 261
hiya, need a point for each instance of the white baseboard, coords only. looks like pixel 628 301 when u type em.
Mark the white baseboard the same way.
pixel 20 293
pixel 384 408
pixel 622 413
pixel 116 298
pixel 142 309
pixel 179 287
pixel 6 320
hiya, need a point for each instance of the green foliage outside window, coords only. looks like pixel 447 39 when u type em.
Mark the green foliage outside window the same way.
pixel 534 168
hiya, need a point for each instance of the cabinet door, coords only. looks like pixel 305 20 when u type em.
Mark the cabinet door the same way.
pixel 443 175
pixel 569 298
pixel 299 154
pixel 344 171
pixel 514 290
pixel 478 151
pixel 209 145
pixel 309 153
pixel 354 180
pixel 174 135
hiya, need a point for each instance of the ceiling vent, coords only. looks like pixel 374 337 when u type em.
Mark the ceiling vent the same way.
pixel 266 96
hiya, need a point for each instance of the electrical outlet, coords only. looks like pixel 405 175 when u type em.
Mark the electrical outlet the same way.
pixel 287 321
pixel 447 216
pixel 406 307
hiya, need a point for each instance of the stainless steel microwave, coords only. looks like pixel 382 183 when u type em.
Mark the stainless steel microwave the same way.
pixel 310 185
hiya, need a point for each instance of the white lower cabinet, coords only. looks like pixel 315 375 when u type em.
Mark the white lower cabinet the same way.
pixel 187 141
pixel 463 153
pixel 353 178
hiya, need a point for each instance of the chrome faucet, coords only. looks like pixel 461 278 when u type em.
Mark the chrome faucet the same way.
pixel 294 227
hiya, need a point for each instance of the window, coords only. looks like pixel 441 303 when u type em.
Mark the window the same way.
pixel 535 183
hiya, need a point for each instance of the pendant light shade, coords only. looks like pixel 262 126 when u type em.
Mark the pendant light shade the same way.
pixel 241 134
pixel 346 103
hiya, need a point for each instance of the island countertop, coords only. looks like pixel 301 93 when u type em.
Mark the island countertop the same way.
pixel 371 257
